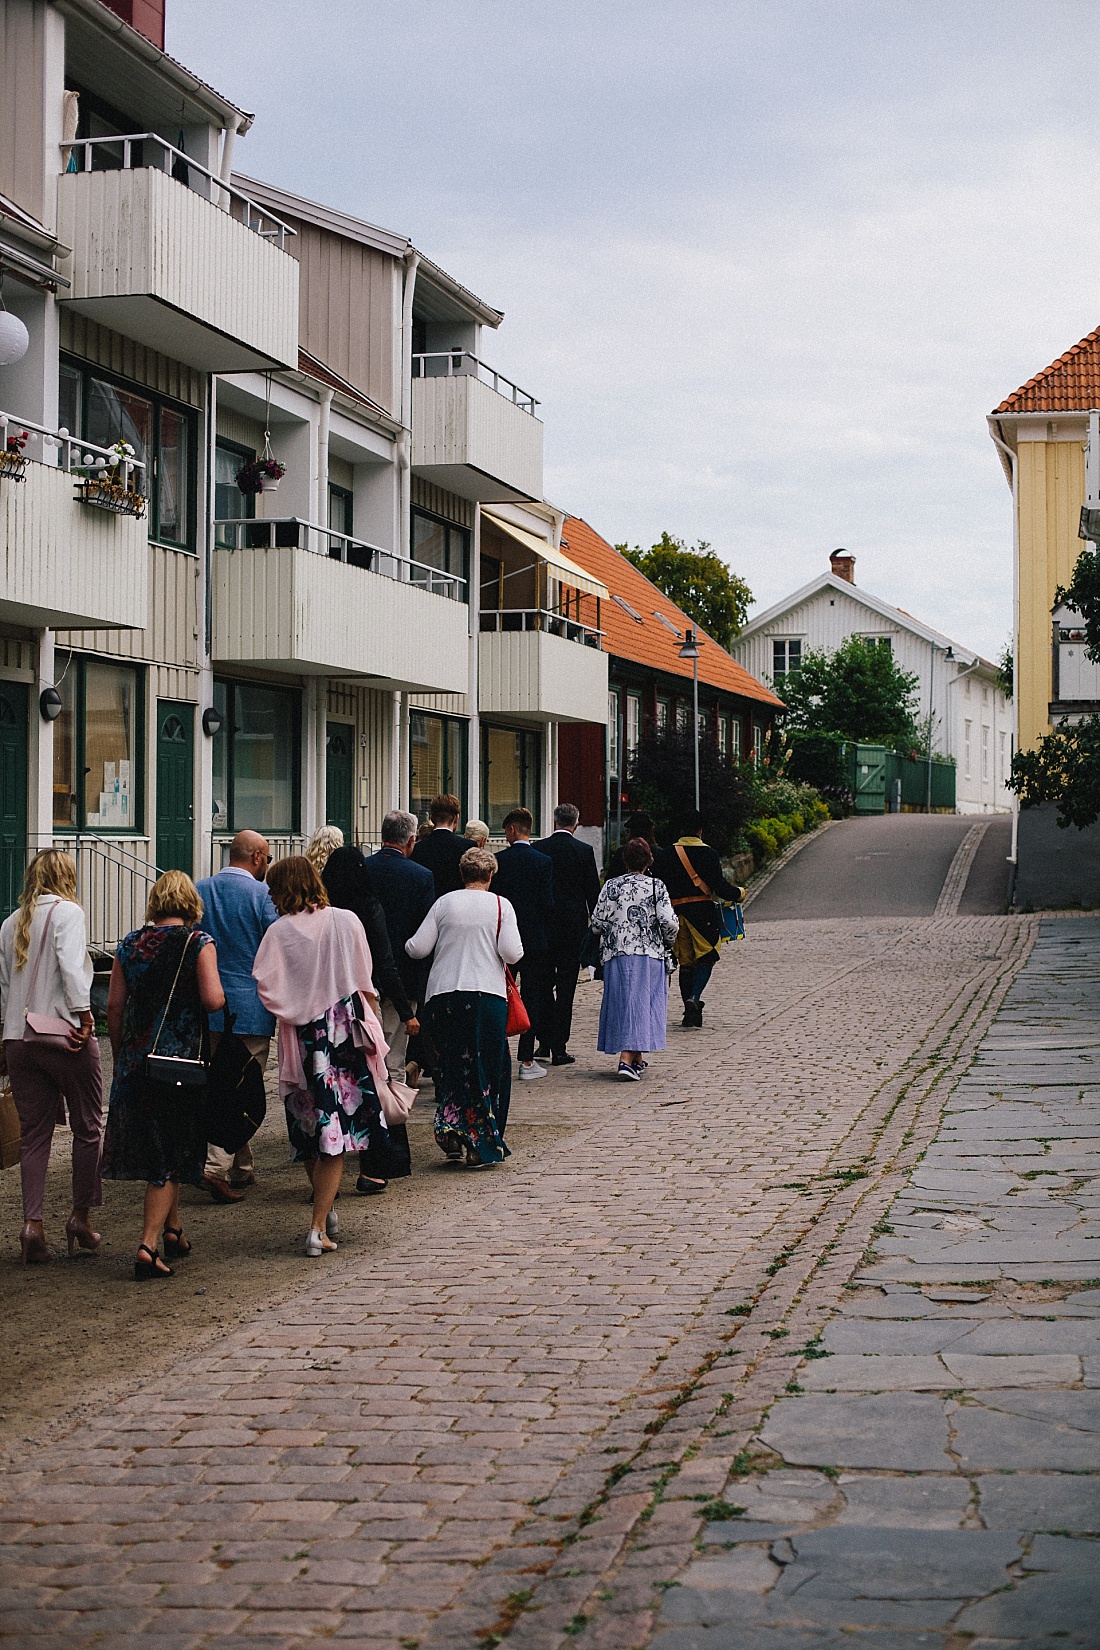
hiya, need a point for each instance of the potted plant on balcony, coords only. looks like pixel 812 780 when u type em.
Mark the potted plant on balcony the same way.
pixel 110 486
pixel 12 462
pixel 260 475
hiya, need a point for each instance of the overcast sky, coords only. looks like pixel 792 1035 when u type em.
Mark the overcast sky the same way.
pixel 767 267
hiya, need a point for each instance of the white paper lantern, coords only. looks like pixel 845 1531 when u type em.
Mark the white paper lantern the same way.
pixel 15 340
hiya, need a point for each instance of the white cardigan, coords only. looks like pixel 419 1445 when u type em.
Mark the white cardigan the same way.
pixel 461 928
pixel 63 984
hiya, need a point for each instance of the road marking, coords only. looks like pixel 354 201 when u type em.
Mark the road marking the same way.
pixel 954 884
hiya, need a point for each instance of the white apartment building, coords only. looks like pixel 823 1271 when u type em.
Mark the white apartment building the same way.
pixel 971 717
pixel 179 658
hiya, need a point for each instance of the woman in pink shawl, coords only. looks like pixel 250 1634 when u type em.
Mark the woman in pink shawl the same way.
pixel 313 972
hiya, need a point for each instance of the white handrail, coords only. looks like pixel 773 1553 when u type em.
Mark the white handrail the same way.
pixel 454 359
pixel 90 456
pixel 278 234
pixel 347 543
pixel 546 619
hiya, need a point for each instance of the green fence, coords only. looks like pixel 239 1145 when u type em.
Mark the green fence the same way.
pixel 874 773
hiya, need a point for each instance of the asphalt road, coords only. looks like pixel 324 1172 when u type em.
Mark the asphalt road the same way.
pixel 889 865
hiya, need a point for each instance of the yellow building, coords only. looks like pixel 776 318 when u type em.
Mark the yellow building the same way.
pixel 1042 433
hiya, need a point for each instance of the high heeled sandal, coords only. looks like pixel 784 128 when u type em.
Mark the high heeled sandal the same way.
pixel 33 1247
pixel 175 1244
pixel 79 1233
pixel 146 1270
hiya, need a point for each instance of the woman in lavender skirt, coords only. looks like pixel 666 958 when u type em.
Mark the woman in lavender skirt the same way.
pixel 637 925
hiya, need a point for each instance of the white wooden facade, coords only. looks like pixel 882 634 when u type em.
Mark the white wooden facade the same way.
pixel 972 719
pixel 466 433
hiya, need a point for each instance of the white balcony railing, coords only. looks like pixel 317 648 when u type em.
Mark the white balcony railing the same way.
pixel 128 153
pixel 69 452
pixel 504 619
pixel 460 363
pixel 289 532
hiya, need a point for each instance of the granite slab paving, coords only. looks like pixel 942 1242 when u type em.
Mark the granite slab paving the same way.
pixel 932 1475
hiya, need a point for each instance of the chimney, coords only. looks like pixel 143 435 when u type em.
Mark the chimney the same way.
pixel 146 16
pixel 843 565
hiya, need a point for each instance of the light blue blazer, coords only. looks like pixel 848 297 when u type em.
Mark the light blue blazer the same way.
pixel 236 913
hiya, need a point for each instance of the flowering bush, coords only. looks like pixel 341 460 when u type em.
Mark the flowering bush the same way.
pixel 16 443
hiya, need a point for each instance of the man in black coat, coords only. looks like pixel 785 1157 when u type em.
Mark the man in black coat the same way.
pixel 526 878
pixel 693 875
pixel 442 849
pixel 576 890
pixel 406 893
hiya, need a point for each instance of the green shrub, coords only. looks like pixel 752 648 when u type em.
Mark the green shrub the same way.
pixel 762 843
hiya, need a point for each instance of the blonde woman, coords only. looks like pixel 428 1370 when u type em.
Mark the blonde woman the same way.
pixel 45 972
pixel 322 845
pixel 476 832
pixel 164 982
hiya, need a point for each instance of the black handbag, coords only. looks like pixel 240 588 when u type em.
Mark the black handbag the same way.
pixel 590 949
pixel 177 1071
pixel 236 1099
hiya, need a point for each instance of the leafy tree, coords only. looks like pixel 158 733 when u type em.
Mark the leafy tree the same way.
pixel 1006 677
pixel 818 759
pixel 858 691
pixel 1065 768
pixel 698 581
pixel 662 782
pixel 1083 594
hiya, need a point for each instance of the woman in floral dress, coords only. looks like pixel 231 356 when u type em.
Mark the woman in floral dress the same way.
pixel 637 925
pixel 313 972
pixel 472 933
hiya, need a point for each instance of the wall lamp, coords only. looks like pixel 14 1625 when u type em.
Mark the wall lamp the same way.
pixel 211 721
pixel 51 704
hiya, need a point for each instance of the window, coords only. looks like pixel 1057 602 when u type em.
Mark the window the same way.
pixel 662 715
pixel 985 753
pixel 511 773
pixel 668 624
pixel 437 760
pixel 1001 757
pixel 620 601
pixel 256 758
pixel 735 738
pixel 683 716
pixel 879 641
pixel 613 766
pixel 97 779
pixel 439 545
pixel 757 743
pixel 163 436
pixel 229 502
pixel 786 658
pixel 723 736
pixel 341 509
pixel 633 724
pixel 967 726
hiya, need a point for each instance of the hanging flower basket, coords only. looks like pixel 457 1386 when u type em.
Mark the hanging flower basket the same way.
pixel 260 475
pixel 12 462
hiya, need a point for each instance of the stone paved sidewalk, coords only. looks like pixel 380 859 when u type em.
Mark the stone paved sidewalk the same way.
pixel 934 1477
pixel 502 1426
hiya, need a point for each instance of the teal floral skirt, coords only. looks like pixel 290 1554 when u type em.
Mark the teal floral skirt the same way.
pixel 338 1110
pixel 473 1073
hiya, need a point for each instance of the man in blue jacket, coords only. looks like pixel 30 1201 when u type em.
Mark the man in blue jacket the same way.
pixel 236 913
pixel 526 877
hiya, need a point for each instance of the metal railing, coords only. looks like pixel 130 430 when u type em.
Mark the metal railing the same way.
pixel 461 363
pixel 179 165
pixel 83 458
pixel 248 533
pixel 112 882
pixel 499 619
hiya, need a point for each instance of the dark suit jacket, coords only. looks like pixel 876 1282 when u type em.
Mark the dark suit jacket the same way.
pixel 700 911
pixel 576 887
pixel 348 886
pixel 406 893
pixel 441 852
pixel 526 877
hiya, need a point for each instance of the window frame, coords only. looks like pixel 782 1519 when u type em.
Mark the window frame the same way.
pixel 190 418
pixel 531 769
pixel 780 674
pixel 346 498
pixel 456 785
pixel 294 697
pixel 247 507
pixel 78 663
pixel 466 540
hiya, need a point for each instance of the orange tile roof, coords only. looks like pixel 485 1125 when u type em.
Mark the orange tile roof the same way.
pixel 651 643
pixel 1070 384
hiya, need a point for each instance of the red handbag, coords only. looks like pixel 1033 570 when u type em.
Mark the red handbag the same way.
pixel 518 1020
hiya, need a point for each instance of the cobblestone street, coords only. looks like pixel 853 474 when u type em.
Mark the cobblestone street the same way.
pixel 508 1422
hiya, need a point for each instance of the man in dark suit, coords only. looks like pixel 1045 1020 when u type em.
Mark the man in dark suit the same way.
pixel 693 875
pixel 526 878
pixel 442 849
pixel 576 890
pixel 406 893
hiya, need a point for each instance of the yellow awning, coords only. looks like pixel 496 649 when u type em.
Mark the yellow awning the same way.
pixel 564 569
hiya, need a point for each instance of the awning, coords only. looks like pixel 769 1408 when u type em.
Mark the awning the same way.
pixel 560 565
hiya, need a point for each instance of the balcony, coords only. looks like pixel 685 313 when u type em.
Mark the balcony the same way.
pixel 63 562
pixel 474 432
pixel 291 596
pixel 176 259
pixel 537 665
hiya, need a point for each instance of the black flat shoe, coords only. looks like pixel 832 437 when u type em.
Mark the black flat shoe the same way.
pixel 564 1060
pixel 542 1054
pixel 146 1270
pixel 370 1188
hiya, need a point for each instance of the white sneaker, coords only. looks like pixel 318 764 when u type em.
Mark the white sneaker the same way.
pixel 332 1223
pixel 529 1071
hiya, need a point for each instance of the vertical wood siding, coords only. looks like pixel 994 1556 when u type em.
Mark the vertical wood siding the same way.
pixel 68 561
pixel 1051 479
pixel 529 673
pixel 170 617
pixel 462 421
pixel 24 165
pixel 371 713
pixel 128 359
pixel 438 502
pixel 346 308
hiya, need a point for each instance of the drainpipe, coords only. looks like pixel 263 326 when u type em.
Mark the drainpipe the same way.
pixel 225 170
pixel 324 421
pixel 400 755
pixel 1009 461
pixel 473 726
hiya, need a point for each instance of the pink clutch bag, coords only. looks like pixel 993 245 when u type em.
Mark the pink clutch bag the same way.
pixel 44 1028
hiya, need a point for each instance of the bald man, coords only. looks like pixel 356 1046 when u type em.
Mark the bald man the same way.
pixel 237 911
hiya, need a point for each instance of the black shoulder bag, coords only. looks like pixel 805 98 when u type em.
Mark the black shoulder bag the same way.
pixel 175 1070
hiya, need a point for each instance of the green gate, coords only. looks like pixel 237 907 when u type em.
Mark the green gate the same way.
pixel 869 778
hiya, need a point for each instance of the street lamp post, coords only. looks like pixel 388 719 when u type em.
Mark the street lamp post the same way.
pixel 690 650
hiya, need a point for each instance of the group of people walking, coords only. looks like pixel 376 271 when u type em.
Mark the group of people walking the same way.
pixel 369 970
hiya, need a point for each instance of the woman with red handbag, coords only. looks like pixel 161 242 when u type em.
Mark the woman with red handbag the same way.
pixel 475 938
pixel 49 1049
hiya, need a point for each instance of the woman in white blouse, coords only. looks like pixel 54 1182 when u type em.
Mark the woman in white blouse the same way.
pixel 473 934
pixel 49 1049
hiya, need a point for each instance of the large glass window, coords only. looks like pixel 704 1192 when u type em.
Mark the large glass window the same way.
pixel 633 724
pixel 437 760
pixel 341 509
pixel 786 659
pixel 230 504
pixel 162 435
pixel 511 771
pixel 97 783
pixel 613 754
pixel 256 758
pixel 438 546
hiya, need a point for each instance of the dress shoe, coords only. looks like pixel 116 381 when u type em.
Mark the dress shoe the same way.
pixel 369 1188
pixel 32 1246
pixel 220 1190
pixel 79 1232
pixel 239 1178
pixel 564 1060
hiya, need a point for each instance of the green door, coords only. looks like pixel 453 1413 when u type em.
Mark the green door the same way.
pixel 175 786
pixel 869 782
pixel 339 777
pixel 13 792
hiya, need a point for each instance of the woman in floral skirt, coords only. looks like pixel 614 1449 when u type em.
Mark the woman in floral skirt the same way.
pixel 313 972
pixel 637 925
pixel 473 933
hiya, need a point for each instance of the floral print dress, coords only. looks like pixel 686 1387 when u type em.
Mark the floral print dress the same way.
pixel 339 1110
